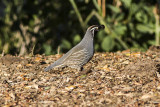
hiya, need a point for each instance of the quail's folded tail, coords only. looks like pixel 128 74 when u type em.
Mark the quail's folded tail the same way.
pixel 51 66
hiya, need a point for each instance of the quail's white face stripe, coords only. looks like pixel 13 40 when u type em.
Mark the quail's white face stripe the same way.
pixel 93 28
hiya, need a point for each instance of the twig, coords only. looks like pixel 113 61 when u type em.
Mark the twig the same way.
pixel 78 14
pixel 2 53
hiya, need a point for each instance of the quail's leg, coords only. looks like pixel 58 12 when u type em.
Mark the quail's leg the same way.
pixel 85 71
pixel 79 68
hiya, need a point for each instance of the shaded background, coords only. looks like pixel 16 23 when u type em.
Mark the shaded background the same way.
pixel 53 26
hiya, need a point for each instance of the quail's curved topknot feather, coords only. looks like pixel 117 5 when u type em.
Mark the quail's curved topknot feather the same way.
pixel 79 54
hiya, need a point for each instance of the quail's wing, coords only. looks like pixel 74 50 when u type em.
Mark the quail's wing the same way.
pixel 75 56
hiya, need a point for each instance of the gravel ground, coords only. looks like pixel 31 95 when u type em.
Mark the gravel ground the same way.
pixel 110 79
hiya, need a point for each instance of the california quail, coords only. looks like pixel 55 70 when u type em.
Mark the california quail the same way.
pixel 79 54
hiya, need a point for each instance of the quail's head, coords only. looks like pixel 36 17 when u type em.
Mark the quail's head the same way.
pixel 95 28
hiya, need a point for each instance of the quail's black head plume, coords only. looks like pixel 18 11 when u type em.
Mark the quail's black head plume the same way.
pixel 79 54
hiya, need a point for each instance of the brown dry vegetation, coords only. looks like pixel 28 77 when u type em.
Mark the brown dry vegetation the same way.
pixel 109 79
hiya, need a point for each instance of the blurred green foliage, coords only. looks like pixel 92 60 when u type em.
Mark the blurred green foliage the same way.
pixel 46 25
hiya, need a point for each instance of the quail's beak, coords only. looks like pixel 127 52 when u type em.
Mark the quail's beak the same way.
pixel 101 27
